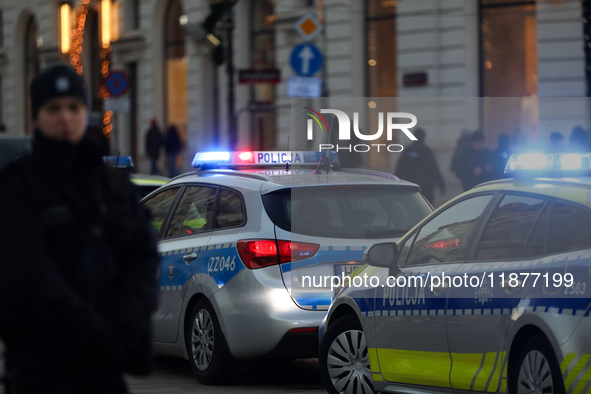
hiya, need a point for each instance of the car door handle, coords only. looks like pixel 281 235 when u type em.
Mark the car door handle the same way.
pixel 189 257
pixel 440 289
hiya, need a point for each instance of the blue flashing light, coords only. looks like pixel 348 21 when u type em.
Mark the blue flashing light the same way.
pixel 556 164
pixel 125 162
pixel 211 157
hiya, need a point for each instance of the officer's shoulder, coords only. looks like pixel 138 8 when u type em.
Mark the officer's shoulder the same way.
pixel 13 178
pixel 117 178
pixel 14 170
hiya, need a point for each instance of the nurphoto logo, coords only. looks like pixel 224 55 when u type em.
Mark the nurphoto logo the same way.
pixel 345 130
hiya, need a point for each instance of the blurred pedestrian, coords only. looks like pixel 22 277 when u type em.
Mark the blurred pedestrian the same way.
pixel 154 143
pixel 475 163
pixel 578 140
pixel 556 143
pixel 417 164
pixel 500 156
pixel 77 282
pixel 462 145
pixel 172 145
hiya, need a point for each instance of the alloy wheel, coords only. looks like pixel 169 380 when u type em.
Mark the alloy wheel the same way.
pixel 202 336
pixel 535 376
pixel 348 363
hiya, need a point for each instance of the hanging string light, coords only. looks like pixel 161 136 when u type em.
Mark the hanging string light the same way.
pixel 103 7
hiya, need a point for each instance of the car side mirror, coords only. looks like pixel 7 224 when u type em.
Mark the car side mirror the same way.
pixel 383 255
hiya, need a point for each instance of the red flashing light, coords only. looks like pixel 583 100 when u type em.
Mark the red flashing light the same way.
pixel 304 329
pixel 243 158
pixel 267 252
pixel 245 155
pixel 447 243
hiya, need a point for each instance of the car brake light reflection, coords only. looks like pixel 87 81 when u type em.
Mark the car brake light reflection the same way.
pixel 447 243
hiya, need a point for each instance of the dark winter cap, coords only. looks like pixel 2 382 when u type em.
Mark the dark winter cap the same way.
pixel 56 81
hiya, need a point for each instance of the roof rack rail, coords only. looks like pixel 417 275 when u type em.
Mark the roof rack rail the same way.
pixel 369 172
pixel 183 175
pixel 241 174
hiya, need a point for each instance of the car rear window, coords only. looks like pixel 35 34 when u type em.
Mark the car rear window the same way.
pixel 361 212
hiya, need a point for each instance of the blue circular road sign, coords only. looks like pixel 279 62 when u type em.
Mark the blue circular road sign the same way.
pixel 306 59
pixel 117 83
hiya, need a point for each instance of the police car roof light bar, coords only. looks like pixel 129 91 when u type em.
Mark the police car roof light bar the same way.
pixel 548 164
pixel 121 162
pixel 260 159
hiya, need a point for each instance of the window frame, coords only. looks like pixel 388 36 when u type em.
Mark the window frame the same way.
pixel 177 203
pixel 218 189
pixel 173 206
pixel 485 215
pixel 548 200
pixel 480 233
pixel 566 202
pixel 217 209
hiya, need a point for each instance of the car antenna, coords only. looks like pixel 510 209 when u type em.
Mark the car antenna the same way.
pixel 318 170
pixel 287 161
pixel 117 161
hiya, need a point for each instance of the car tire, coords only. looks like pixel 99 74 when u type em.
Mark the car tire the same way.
pixel 205 344
pixel 343 358
pixel 545 376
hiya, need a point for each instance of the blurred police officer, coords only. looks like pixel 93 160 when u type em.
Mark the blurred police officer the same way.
pixel 418 165
pixel 476 163
pixel 77 274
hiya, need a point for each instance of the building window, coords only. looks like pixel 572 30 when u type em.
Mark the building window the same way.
pixel 381 48
pixel 2 125
pixel 131 14
pixel 263 58
pixel 175 69
pixel 1 29
pixel 32 43
pixel 508 66
pixel 91 60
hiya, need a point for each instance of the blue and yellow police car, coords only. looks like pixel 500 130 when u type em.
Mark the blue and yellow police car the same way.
pixel 247 242
pixel 487 294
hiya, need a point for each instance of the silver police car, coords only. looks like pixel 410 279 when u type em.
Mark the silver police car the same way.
pixel 487 294
pixel 245 252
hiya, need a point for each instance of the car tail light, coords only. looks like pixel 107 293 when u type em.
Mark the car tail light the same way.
pixel 265 252
pixel 447 243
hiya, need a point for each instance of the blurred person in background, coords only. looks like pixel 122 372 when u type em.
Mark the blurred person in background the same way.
pixel 172 145
pixel 578 140
pixel 501 155
pixel 77 282
pixel 154 142
pixel 417 164
pixel 475 163
pixel 462 145
pixel 556 143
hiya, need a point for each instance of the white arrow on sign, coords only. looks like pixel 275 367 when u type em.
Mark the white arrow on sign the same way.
pixel 306 55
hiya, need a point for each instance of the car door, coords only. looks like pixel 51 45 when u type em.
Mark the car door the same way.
pixel 410 316
pixel 480 314
pixel 183 239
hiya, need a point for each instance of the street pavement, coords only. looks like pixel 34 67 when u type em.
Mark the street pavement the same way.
pixel 174 375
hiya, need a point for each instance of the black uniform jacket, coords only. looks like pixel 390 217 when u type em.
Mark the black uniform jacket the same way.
pixel 78 261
